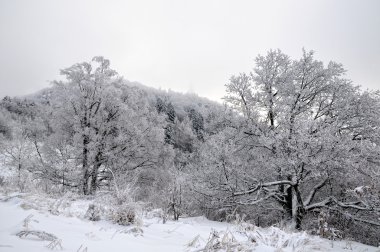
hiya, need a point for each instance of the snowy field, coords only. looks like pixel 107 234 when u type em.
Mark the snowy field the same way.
pixel 65 220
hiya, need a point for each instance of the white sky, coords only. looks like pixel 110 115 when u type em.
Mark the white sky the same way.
pixel 186 46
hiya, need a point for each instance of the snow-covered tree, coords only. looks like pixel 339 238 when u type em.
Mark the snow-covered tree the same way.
pixel 112 125
pixel 306 129
pixel 86 101
pixel 17 152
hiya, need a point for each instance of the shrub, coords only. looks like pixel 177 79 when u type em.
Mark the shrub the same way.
pixel 93 213
pixel 124 215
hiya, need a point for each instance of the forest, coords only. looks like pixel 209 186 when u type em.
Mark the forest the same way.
pixel 295 144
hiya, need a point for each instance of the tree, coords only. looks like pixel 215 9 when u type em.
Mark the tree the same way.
pixel 197 123
pixel 170 126
pixel 17 153
pixel 88 102
pixel 306 127
pixel 111 124
pixel 138 144
pixel 5 129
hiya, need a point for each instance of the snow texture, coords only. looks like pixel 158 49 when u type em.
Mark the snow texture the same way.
pixel 20 213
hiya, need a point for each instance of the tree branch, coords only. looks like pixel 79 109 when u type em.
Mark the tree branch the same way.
pixel 310 198
pixel 269 184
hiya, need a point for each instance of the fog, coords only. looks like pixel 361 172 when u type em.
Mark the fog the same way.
pixel 186 46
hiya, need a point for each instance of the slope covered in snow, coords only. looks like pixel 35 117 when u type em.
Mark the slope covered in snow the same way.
pixel 64 219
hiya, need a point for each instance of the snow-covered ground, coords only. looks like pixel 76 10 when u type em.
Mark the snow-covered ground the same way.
pixel 64 219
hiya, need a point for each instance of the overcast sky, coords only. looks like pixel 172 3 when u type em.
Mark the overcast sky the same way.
pixel 186 46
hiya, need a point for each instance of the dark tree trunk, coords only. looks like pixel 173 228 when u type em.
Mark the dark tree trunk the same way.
pixel 85 182
pixel 94 180
pixel 85 169
pixel 19 176
pixel 94 176
pixel 288 203
pixel 298 218
pixel 299 210
pixel 95 171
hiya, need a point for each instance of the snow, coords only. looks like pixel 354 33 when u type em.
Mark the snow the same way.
pixel 188 234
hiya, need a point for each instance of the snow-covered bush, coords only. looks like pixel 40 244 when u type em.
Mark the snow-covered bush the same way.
pixel 326 231
pixel 93 213
pixel 39 234
pixel 136 231
pixel 125 215
pixel 22 181
pixel 221 241
pixel 27 231
pixel 278 238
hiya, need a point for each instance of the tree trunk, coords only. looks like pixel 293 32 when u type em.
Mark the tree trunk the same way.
pixel 63 181
pixel 298 209
pixel 287 202
pixel 95 171
pixel 86 174
pixel 293 210
pixel 298 219
pixel 288 205
pixel 19 176
pixel 295 217
pixel 94 178
pixel 86 178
